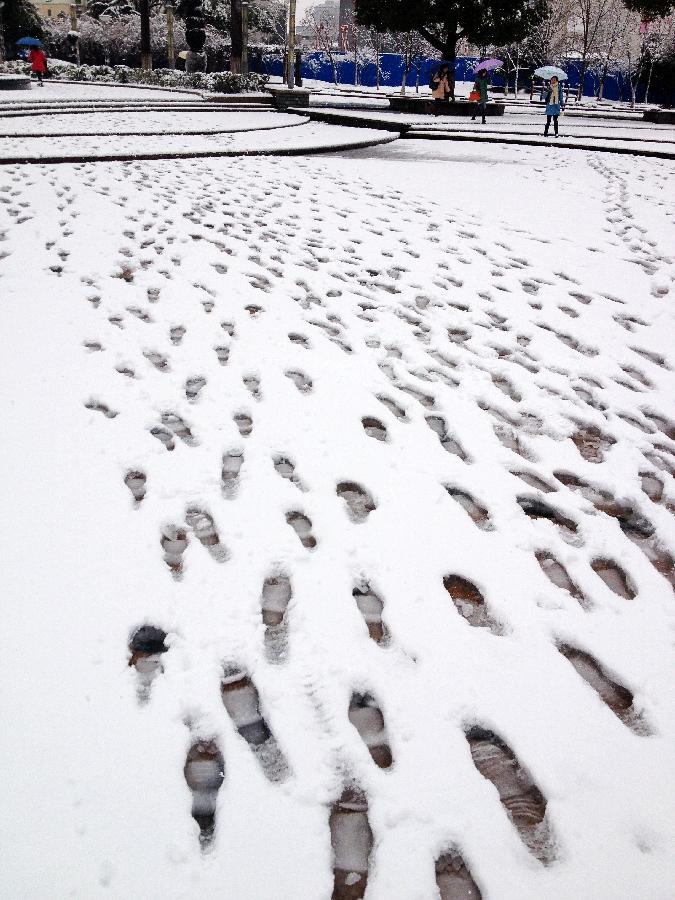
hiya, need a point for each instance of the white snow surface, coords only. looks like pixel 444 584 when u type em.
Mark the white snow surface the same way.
pixel 518 294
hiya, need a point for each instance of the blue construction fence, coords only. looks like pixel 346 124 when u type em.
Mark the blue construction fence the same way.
pixel 317 65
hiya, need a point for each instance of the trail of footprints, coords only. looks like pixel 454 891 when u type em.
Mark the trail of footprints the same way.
pixel 448 348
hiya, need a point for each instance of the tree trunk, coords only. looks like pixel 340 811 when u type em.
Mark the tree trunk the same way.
pixel 601 86
pixel 582 76
pixel 146 54
pixel 236 36
pixel 649 81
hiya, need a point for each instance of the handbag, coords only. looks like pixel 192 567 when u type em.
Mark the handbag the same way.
pixel 474 96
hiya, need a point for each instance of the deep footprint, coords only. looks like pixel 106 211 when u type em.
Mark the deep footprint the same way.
pixel 242 703
pixel 352 842
pixel 557 575
pixel 479 515
pixel 276 595
pixel 302 526
pixel 469 602
pixel 371 607
pixel 146 647
pixel 614 577
pixel 174 542
pixel 453 878
pixel 366 716
pixel 617 697
pixel 135 481
pixel 521 798
pixel 204 772
pixel 205 531
pixel 359 502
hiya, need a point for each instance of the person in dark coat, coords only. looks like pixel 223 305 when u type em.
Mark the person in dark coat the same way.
pixel 555 103
pixel 38 62
pixel 480 86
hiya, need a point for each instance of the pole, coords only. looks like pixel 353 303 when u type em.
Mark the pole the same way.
pixel 146 53
pixel 2 34
pixel 73 27
pixel 291 45
pixel 244 38
pixel 170 48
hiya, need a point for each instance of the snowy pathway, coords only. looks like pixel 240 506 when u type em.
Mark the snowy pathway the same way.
pixel 369 474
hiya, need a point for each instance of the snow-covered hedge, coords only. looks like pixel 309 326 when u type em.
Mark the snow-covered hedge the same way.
pixel 218 82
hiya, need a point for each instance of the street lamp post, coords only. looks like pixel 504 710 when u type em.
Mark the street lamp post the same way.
pixel 74 33
pixel 170 49
pixel 290 64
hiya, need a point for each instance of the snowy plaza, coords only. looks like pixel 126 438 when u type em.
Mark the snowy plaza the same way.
pixel 339 521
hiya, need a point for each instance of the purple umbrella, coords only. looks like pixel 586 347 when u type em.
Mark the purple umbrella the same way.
pixel 489 64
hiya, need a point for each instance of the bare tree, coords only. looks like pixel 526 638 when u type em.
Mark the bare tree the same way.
pixel 321 20
pixel 590 18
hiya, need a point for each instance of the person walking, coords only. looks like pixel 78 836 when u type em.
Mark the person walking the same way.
pixel 480 92
pixel 38 62
pixel 440 85
pixel 554 105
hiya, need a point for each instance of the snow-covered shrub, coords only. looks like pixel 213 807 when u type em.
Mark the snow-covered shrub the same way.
pixel 219 82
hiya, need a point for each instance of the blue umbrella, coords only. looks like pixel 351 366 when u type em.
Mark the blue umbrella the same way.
pixel 547 72
pixel 29 42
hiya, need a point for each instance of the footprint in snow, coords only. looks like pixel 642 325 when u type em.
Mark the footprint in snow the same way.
pixel 201 522
pixel 276 595
pixel 146 646
pixel 302 382
pixel 470 603
pixel 204 773
pixel 614 695
pixel 96 406
pixel 358 500
pixel 374 428
pixel 302 527
pixel 284 467
pixel 615 578
pixel 524 803
pixel 557 574
pixel 135 480
pixel 453 879
pixel 244 424
pixel 479 515
pixel 367 718
pixel 371 607
pixel 241 700
pixel 174 542
pixel 229 473
pixel 448 443
pixel 352 842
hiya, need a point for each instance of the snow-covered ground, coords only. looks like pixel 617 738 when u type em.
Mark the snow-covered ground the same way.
pixel 382 446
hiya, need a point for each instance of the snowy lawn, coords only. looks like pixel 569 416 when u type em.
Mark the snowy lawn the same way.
pixel 143 122
pixel 381 447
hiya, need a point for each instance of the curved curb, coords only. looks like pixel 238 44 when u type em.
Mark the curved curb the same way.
pixel 338 118
pixel 559 144
pixel 199 154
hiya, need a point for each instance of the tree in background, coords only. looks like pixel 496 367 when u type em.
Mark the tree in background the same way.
pixel 443 23
pixel 110 9
pixel 19 19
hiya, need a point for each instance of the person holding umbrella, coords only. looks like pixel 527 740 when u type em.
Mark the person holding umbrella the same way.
pixel 554 105
pixel 36 57
pixel 554 97
pixel 479 92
